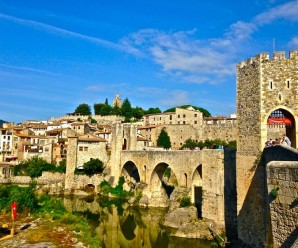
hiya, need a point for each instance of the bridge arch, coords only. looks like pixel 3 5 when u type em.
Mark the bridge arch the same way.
pixel 157 181
pixel 197 188
pixel 130 172
pixel 280 121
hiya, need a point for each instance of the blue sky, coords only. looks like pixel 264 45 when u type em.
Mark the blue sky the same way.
pixel 55 55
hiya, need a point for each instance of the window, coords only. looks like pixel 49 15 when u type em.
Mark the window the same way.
pixel 196 115
pixel 196 122
pixel 178 116
pixel 80 148
pixel 288 84
pixel 184 116
pixel 170 117
pixel 279 96
pixel 271 85
pixel 183 122
pixel 85 149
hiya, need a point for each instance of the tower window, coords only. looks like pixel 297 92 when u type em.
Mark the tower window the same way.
pixel 288 84
pixel 279 96
pixel 271 85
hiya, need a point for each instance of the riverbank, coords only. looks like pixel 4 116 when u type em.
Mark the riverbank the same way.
pixel 36 233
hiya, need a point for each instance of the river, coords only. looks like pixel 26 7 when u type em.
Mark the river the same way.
pixel 119 225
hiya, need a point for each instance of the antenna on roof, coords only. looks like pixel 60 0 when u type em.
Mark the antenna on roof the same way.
pixel 273 44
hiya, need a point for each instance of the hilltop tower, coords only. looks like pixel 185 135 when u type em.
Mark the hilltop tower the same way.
pixel 267 107
pixel 117 101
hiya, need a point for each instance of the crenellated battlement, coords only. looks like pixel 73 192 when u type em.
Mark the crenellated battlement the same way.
pixel 277 56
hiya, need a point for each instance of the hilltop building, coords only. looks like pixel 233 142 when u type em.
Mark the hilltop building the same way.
pixel 117 101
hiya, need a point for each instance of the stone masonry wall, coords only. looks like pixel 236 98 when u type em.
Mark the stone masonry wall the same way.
pixel 88 150
pixel 226 132
pixel 283 209
pixel 248 146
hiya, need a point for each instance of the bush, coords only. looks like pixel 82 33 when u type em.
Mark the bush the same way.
pixel 185 202
pixel 23 196
pixel 105 188
pixel 62 167
pixel 94 166
pixel 167 173
pixel 274 192
pixel 192 144
pixel 33 167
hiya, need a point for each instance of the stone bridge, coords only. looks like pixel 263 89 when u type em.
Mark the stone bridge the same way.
pixel 203 172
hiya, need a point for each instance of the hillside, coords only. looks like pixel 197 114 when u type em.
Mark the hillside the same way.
pixel 205 112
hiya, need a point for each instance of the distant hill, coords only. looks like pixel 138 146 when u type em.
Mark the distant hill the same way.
pixel 205 112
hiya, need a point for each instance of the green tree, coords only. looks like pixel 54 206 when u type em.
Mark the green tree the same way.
pixel 106 110
pixel 190 143
pixel 83 109
pixel 163 140
pixel 152 111
pixel 126 109
pixel 97 108
pixel 116 110
pixel 137 113
pixel 94 166
pixel 33 167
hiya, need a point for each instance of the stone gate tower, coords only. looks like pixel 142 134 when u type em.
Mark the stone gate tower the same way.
pixel 267 107
pixel 267 104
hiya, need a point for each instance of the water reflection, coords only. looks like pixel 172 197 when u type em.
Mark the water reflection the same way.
pixel 119 225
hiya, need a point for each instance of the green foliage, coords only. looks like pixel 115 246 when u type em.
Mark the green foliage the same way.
pixel 152 111
pixel 106 110
pixel 163 140
pixel 205 112
pixel 126 109
pixel 190 143
pixel 185 202
pixel 97 108
pixel 83 109
pixel 209 144
pixel 105 188
pixel 274 192
pixel 167 173
pixel 33 167
pixel 61 168
pixel 116 110
pixel 23 196
pixel 94 166
pixel 48 204
pixel 137 113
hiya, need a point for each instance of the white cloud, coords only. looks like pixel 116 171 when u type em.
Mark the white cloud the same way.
pixel 60 31
pixel 181 55
pixel 294 43
pixel 175 98
pixel 193 60
pixel 287 11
